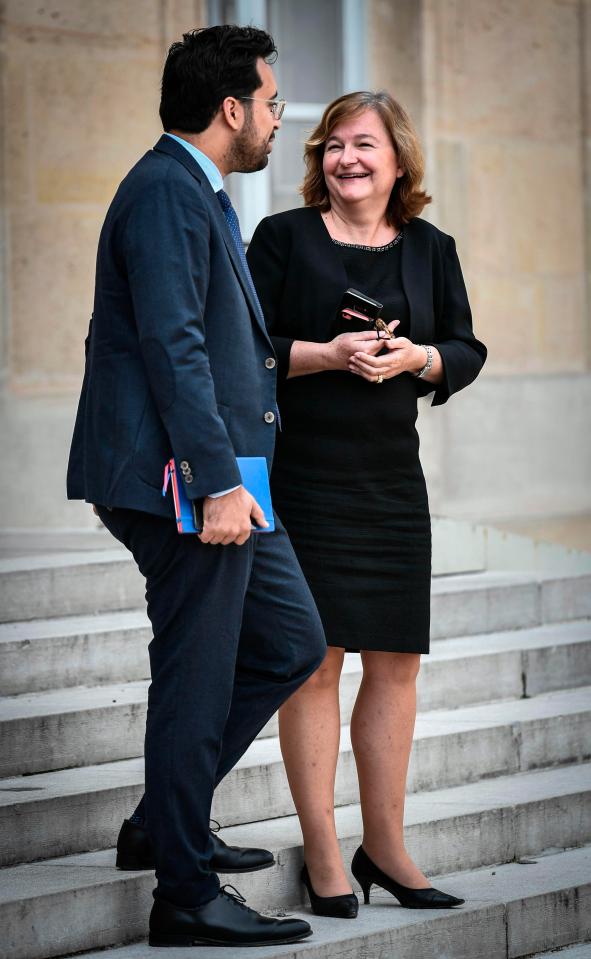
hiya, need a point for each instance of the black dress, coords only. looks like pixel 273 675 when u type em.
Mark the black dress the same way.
pixel 349 487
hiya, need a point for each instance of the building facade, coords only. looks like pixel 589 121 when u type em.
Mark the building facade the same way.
pixel 501 95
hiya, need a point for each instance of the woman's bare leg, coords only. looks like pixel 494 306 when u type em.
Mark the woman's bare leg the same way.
pixel 382 728
pixel 309 732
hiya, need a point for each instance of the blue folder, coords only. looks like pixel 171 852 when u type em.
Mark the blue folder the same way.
pixel 255 478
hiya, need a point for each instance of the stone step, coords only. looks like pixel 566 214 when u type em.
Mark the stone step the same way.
pixel 459 546
pixel 74 810
pixel 68 584
pixel 503 665
pixel 40 655
pixel 75 584
pixel 512 910
pixel 77 726
pixel 451 747
pixel 491 601
pixel 64 728
pixel 581 950
pixel 56 653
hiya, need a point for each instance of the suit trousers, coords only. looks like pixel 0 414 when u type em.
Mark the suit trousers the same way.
pixel 235 632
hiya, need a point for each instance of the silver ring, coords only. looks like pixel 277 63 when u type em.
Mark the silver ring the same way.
pixel 380 379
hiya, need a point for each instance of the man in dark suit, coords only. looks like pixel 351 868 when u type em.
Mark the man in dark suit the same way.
pixel 179 363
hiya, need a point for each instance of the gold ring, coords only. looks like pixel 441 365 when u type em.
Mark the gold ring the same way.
pixel 380 379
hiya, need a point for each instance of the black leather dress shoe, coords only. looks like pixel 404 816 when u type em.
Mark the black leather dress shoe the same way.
pixel 134 851
pixel 225 921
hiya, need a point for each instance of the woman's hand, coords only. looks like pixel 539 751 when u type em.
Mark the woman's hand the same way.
pixel 403 356
pixel 307 357
pixel 345 346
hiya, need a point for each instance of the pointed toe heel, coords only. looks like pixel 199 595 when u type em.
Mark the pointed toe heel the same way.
pixel 338 907
pixel 366 885
pixel 367 873
pixel 362 876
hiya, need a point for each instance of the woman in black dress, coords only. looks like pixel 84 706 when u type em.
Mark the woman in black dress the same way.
pixel 347 481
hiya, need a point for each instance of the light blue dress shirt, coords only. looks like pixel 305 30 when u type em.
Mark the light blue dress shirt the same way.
pixel 208 166
pixel 217 182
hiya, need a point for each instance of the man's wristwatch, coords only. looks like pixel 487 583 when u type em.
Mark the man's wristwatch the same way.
pixel 428 364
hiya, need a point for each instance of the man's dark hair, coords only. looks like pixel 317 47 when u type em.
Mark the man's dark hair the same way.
pixel 207 66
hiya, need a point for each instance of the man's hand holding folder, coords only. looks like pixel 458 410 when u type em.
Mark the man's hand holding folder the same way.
pixel 229 518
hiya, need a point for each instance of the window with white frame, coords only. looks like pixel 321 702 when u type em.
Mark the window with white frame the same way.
pixel 322 54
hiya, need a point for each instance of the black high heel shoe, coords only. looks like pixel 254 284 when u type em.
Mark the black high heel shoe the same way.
pixel 367 874
pixel 339 907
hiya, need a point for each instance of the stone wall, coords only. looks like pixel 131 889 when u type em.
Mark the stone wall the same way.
pixel 500 94
pixel 585 59
pixel 80 93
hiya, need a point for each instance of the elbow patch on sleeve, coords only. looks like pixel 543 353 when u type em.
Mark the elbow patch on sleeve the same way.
pixel 160 373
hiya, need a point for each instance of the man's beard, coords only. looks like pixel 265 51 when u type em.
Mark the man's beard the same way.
pixel 247 155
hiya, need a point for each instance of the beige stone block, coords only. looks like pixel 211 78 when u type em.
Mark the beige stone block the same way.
pixel 52 288
pixel 182 15
pixel 588 247
pixel 505 67
pixel 564 319
pixel 530 324
pixel 394 42
pixel 450 192
pixel 4 320
pixel 19 138
pixel 107 23
pixel 490 214
pixel 586 83
pixel 507 316
pixel 128 22
pixel 526 207
pixel 94 115
pixel 586 63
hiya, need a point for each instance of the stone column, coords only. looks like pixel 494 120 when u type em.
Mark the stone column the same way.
pixel 501 100
pixel 585 80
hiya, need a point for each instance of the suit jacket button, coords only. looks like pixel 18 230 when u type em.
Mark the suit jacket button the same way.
pixel 269 417
pixel 185 466
pixel 188 478
pixel 270 363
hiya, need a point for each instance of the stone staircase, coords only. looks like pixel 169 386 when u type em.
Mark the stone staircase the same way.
pixel 499 786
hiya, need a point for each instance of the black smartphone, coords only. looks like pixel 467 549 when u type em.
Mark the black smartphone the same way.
pixel 197 509
pixel 359 306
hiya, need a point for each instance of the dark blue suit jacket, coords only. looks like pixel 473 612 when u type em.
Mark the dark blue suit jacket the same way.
pixel 178 358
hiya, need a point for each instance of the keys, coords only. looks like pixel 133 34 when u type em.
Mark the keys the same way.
pixel 381 327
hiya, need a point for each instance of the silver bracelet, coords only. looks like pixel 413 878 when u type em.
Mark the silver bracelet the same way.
pixel 428 365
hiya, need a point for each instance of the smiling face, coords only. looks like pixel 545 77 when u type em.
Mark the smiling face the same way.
pixel 360 163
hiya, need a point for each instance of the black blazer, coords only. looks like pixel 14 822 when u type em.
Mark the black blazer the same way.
pixel 178 354
pixel 300 280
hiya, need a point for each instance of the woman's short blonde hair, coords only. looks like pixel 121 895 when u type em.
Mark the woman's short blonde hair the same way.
pixel 407 200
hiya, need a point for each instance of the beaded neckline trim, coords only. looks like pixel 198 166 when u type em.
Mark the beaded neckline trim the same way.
pixel 372 249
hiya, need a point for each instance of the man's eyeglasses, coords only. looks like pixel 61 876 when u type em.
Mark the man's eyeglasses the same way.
pixel 275 106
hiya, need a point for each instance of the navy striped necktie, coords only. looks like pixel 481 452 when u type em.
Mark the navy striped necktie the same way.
pixel 232 221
